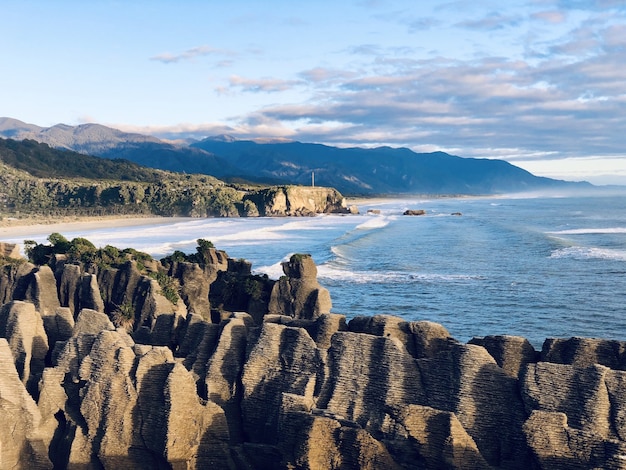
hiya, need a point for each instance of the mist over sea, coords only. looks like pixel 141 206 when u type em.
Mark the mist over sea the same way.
pixel 531 266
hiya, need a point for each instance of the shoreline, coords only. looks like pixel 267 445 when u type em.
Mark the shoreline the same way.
pixel 11 228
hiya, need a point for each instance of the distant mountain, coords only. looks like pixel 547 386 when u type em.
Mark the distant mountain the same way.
pixel 356 171
pixel 382 170
pixel 102 141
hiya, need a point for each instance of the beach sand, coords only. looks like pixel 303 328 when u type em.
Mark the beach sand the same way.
pixel 11 228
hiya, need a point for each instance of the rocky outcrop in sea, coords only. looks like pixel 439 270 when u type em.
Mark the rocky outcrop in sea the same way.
pixel 99 368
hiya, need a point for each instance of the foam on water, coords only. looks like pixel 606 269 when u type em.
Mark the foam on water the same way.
pixel 590 231
pixel 273 271
pixel 374 222
pixel 582 253
pixel 329 272
pixel 339 254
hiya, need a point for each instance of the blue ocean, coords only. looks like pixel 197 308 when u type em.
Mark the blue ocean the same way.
pixel 531 266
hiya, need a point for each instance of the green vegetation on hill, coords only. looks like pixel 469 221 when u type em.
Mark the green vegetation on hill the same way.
pixel 370 171
pixel 38 180
pixel 43 161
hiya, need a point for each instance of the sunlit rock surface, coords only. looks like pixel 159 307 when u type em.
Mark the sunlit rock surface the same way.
pixel 100 368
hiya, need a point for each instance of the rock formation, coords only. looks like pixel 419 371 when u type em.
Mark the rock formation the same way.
pixel 414 212
pixel 298 294
pixel 298 201
pixel 9 250
pixel 202 383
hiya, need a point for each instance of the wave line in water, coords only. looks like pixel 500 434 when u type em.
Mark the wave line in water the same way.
pixel 374 223
pixel 582 253
pixel 329 273
pixel 589 231
pixel 273 271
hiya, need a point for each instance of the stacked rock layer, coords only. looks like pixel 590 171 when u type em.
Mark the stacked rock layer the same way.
pixel 280 382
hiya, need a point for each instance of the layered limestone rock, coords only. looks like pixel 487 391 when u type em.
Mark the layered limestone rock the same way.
pixel 194 287
pixel 23 444
pixel 577 415
pixel 585 351
pixel 31 283
pixel 14 279
pixel 284 385
pixel 78 290
pixel 298 201
pixel 10 250
pixel 299 294
pixel 123 405
pixel 23 328
pixel 512 353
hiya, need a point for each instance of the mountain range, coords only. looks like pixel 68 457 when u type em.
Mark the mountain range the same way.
pixel 352 171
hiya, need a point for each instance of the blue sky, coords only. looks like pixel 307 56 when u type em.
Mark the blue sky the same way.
pixel 540 83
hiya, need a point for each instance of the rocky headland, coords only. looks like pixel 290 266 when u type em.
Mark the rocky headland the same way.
pixel 42 183
pixel 194 362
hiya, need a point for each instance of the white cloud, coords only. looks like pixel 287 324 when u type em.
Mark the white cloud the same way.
pixel 200 51
pixel 327 75
pixel 550 16
pixel 562 108
pixel 492 21
pixel 267 85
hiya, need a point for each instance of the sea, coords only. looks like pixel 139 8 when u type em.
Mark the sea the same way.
pixel 530 265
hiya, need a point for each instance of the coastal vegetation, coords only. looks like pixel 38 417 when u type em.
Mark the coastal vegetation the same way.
pixel 80 250
pixel 201 256
pixel 38 180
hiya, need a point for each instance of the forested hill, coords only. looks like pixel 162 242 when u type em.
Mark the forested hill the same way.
pixel 43 161
pixel 37 180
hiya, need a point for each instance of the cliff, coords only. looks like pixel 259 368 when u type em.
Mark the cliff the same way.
pixel 38 180
pixel 101 367
pixel 297 201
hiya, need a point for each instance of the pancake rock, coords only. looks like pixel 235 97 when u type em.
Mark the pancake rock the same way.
pixel 103 367
pixel 10 250
pixel 298 294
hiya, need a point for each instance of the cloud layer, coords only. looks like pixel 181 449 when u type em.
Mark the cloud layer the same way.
pixel 563 97
pixel 523 80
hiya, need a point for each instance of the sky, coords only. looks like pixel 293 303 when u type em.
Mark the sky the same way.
pixel 539 83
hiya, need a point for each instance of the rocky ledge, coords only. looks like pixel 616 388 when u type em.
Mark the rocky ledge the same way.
pixel 247 373
pixel 298 201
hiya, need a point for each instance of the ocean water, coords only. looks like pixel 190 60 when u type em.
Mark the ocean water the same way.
pixel 531 266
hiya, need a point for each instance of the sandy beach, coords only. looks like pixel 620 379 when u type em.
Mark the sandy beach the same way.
pixel 11 228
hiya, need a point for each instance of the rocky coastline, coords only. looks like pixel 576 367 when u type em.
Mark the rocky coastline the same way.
pixel 101 366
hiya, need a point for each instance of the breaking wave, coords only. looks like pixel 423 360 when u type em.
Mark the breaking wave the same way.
pixel 582 253
pixel 589 231
pixel 273 271
pixel 374 222
pixel 327 272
